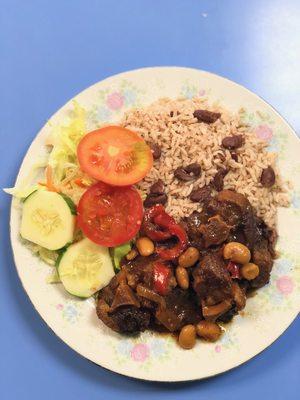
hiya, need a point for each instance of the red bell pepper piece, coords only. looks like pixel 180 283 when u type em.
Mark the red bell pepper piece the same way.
pixel 164 220
pixel 164 227
pixel 234 270
pixel 175 251
pixel 161 278
pixel 150 229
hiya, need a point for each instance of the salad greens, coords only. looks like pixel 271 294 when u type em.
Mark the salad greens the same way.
pixel 64 140
pixel 119 252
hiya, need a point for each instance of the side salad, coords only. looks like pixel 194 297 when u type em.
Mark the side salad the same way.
pixel 83 217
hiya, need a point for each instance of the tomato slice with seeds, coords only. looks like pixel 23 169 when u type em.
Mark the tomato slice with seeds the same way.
pixel 110 215
pixel 114 155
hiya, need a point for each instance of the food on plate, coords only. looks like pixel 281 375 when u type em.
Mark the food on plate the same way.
pixel 118 252
pixel 48 219
pixel 85 268
pixel 110 215
pixel 114 155
pixel 168 219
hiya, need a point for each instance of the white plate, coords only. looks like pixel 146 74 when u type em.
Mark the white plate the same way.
pixel 152 357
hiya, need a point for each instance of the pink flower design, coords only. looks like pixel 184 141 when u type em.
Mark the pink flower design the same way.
pixel 140 352
pixel 264 132
pixel 285 285
pixel 218 348
pixel 115 101
pixel 201 92
pixel 59 306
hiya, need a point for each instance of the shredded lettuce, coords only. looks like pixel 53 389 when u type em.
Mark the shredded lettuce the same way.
pixel 21 192
pixel 25 188
pixel 65 140
pixel 49 256
pixel 53 277
pixel 62 159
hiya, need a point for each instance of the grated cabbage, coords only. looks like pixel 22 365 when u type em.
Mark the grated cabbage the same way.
pixel 64 139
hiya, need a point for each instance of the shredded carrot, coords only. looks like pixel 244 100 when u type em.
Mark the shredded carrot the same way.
pixel 49 182
pixel 79 182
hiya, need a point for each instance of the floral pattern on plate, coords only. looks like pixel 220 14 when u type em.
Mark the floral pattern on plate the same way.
pixel 143 350
pixel 114 100
pixel 190 90
pixel 265 128
pixel 70 311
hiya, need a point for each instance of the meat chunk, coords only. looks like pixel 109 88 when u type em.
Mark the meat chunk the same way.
pixel 118 306
pixel 113 297
pixel 124 296
pixel 102 310
pixel 229 196
pixel 230 212
pixel 237 212
pixel 108 292
pixel 237 235
pixel 215 232
pixel 181 309
pixel 239 296
pixel 212 281
pixel 233 207
pixel 131 320
pixel 139 270
pixel 252 229
pixel 192 225
pixel 262 257
pixel 105 299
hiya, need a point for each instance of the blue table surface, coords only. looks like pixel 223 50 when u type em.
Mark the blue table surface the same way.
pixel 50 51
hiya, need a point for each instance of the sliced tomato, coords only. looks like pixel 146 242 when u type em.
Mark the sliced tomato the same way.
pixel 110 215
pixel 114 155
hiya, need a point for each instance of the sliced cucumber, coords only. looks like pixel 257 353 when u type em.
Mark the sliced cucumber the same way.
pixel 47 220
pixel 27 197
pixel 85 268
pixel 70 203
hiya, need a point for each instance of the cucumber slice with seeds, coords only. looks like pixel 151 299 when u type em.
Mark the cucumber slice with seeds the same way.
pixel 47 220
pixel 85 268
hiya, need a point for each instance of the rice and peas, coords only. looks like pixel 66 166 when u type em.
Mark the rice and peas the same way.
pixel 184 140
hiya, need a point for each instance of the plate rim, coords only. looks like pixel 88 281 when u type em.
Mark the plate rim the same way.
pixel 124 74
